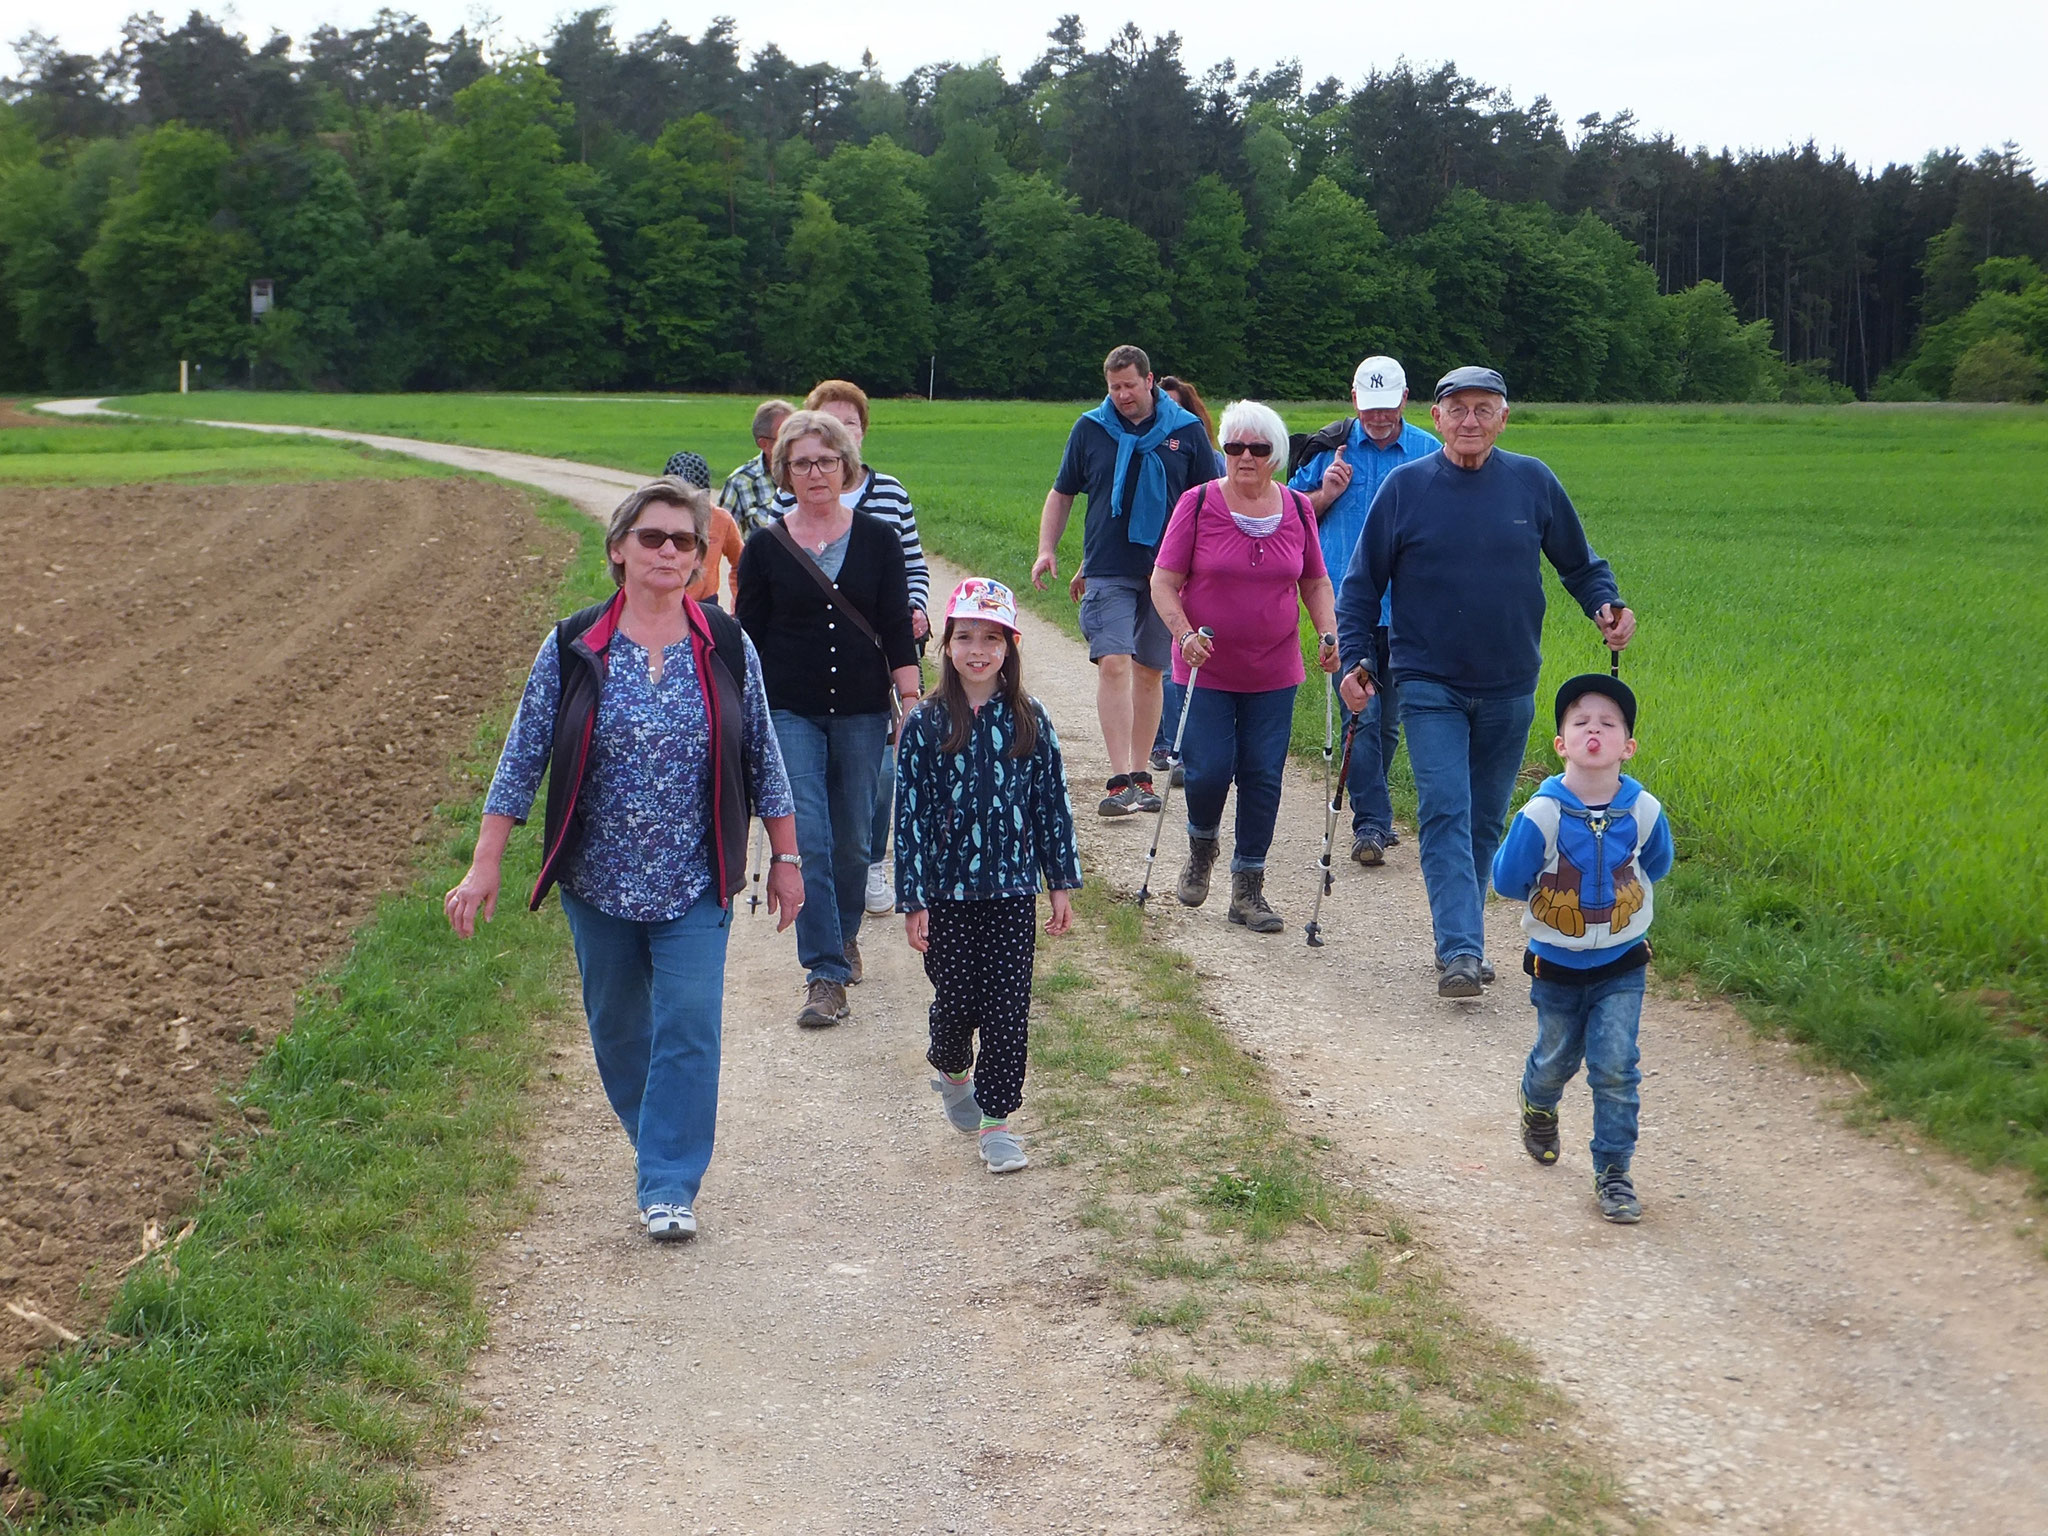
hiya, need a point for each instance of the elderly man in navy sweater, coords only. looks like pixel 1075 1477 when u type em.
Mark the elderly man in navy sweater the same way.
pixel 1457 535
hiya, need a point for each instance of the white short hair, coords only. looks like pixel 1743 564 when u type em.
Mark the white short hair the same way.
pixel 1253 421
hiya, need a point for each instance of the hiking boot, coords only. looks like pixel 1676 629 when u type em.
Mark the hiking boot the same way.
pixel 1248 902
pixel 1193 889
pixel 881 892
pixel 824 1004
pixel 1460 978
pixel 1122 799
pixel 1369 848
pixel 1616 1192
pixel 670 1223
pixel 1485 972
pixel 959 1101
pixel 854 970
pixel 1144 799
pixel 1539 1133
pixel 1001 1150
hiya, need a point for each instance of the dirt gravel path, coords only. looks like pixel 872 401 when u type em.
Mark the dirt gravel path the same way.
pixel 1813 1330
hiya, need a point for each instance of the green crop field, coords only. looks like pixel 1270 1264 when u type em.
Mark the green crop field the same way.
pixel 1841 663
pixel 126 454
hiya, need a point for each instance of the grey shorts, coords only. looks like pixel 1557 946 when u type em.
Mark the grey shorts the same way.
pixel 1117 619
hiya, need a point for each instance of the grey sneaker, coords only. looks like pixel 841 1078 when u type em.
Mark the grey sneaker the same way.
pixel 1539 1133
pixel 1122 799
pixel 1460 978
pixel 1193 889
pixel 1485 972
pixel 824 1004
pixel 1001 1150
pixel 960 1106
pixel 1369 848
pixel 881 891
pixel 670 1223
pixel 854 970
pixel 1161 760
pixel 1248 905
pixel 1616 1192
pixel 1146 801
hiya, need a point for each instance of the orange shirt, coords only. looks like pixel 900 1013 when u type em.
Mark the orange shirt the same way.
pixel 725 545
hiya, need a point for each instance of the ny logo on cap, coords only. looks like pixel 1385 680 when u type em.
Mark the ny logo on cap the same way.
pixel 1379 381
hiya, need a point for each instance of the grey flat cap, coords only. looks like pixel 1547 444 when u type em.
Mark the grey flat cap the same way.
pixel 1472 378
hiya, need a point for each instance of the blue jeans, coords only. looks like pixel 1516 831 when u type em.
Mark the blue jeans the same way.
pixel 1465 753
pixel 831 761
pixel 885 805
pixel 1596 1024
pixel 1241 736
pixel 1170 695
pixel 1373 742
pixel 654 994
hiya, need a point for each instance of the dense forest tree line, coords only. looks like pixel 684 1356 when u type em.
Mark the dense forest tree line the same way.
pixel 662 213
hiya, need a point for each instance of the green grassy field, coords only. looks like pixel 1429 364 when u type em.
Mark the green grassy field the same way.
pixel 124 454
pixel 1841 668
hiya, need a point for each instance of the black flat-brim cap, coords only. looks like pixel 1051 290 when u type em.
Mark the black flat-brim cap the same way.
pixel 1472 378
pixel 1614 688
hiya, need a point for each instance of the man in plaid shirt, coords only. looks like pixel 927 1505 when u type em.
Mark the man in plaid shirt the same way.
pixel 749 492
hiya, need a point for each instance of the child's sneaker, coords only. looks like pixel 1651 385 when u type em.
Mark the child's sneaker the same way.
pixel 1617 1195
pixel 959 1101
pixel 1539 1133
pixel 671 1223
pixel 1001 1150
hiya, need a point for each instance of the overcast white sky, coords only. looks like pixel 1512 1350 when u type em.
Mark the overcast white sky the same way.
pixel 1882 79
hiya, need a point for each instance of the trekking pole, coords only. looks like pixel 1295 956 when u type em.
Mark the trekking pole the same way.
pixel 1314 931
pixel 754 846
pixel 1159 822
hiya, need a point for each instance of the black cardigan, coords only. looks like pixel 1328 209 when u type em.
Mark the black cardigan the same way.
pixel 813 660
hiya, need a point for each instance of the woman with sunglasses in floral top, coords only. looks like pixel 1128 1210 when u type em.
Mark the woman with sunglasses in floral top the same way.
pixel 650 712
pixel 1240 557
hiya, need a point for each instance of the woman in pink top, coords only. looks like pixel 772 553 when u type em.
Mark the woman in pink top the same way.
pixel 1241 556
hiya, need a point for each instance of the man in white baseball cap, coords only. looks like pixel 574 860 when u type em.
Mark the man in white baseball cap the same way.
pixel 1340 471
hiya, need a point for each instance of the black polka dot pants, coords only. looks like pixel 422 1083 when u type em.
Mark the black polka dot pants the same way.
pixel 979 962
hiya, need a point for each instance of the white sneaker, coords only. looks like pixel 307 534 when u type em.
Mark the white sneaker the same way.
pixel 881 889
pixel 671 1223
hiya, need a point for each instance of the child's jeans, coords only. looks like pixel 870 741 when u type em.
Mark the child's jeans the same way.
pixel 1596 1024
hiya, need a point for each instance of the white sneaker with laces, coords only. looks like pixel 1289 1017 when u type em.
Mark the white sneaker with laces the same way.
pixel 671 1223
pixel 881 889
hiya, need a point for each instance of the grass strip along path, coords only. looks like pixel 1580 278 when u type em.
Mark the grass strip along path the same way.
pixel 1840 669
pixel 287 1361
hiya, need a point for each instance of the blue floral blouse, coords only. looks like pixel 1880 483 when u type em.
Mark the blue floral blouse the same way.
pixel 645 855
pixel 976 824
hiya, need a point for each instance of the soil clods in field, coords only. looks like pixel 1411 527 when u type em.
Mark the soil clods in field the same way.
pixel 227 713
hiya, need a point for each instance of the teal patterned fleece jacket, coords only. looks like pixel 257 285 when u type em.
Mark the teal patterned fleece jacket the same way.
pixel 977 823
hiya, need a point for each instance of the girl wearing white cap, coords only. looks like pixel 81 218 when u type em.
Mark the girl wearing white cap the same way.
pixel 981 814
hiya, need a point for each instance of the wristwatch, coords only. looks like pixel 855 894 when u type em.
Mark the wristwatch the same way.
pixel 788 858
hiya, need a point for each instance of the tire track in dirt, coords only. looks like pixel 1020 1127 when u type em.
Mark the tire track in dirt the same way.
pixel 227 712
pixel 1812 1330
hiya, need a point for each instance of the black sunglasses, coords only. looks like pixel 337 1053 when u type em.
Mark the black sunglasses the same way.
pixel 1256 450
pixel 684 538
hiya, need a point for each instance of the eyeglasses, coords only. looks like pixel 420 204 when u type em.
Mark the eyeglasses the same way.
pixel 823 464
pixel 1256 450
pixel 684 539
pixel 1483 414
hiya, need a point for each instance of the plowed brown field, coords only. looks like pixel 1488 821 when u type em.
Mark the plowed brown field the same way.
pixel 225 714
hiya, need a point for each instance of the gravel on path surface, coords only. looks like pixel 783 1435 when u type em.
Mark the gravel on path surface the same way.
pixel 1812 1330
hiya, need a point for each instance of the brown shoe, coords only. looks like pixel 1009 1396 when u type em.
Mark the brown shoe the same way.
pixel 1193 888
pixel 1248 902
pixel 824 1004
pixel 853 963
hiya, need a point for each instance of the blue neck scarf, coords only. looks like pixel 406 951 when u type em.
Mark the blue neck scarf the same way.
pixel 1148 506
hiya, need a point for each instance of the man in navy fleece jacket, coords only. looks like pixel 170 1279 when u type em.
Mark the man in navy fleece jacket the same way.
pixel 1458 535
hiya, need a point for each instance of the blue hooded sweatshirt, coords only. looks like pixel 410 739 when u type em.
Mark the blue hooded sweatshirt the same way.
pixel 1586 874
